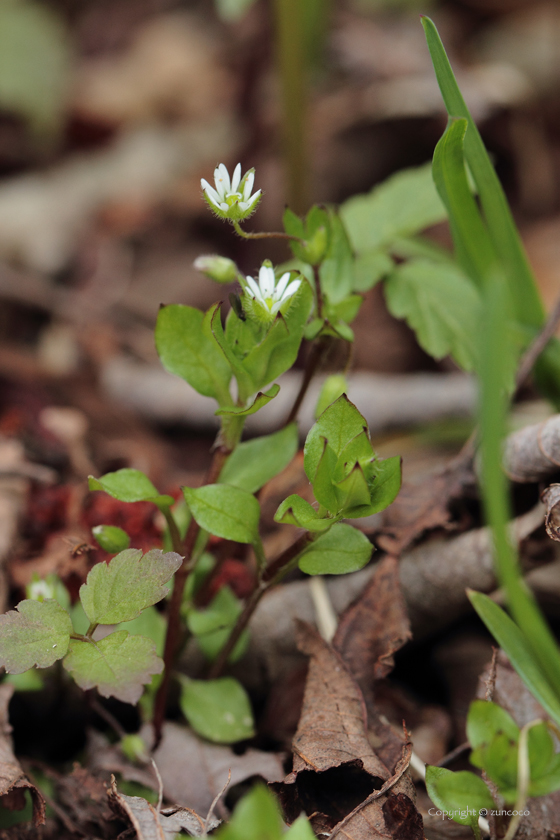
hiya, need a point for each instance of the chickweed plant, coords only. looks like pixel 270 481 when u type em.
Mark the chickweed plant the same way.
pixel 480 305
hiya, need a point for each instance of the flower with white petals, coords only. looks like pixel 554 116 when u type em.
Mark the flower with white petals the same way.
pixel 231 198
pixel 268 295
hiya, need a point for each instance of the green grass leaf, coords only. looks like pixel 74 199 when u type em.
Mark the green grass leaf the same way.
pixel 225 511
pixel 128 485
pixel 217 709
pixel 36 633
pixel 515 644
pixel 120 590
pixel 341 550
pixel 186 350
pixel 256 461
pixel 118 666
pixel 441 305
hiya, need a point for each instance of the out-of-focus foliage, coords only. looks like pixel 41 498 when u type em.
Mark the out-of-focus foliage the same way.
pixel 34 63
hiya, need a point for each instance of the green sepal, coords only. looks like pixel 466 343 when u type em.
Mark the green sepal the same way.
pixel 296 511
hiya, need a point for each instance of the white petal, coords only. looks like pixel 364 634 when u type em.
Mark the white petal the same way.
pixel 291 290
pixel 211 192
pixel 214 202
pixel 281 286
pixel 275 307
pixel 254 288
pixel 248 185
pixel 224 206
pixel 221 176
pixel 235 178
pixel 266 281
pixel 253 200
pixel 243 205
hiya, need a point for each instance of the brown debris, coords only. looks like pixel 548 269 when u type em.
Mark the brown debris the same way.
pixel 13 781
pixel 533 454
pixel 551 499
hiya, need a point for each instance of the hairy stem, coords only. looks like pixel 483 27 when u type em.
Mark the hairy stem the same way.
pixel 263 234
pixel 318 351
pixel 173 635
pixel 271 575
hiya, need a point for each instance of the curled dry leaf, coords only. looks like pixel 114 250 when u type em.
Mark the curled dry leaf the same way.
pixel 13 782
pixel 336 775
pixel 551 501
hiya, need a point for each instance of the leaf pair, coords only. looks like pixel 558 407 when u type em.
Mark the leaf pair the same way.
pixel 40 633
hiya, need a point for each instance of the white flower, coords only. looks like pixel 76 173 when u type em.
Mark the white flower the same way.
pixel 268 293
pixel 231 199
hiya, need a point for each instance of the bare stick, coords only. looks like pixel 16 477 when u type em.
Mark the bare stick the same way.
pixel 537 346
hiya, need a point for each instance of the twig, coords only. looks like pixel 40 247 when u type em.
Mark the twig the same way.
pixel 106 715
pixel 68 823
pixel 263 234
pixel 318 351
pixel 215 802
pixel 537 346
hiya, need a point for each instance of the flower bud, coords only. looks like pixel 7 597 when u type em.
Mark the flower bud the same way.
pixel 220 269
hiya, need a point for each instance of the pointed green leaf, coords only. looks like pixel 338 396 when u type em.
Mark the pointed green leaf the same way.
pixel 245 382
pixel 128 485
pixel 337 269
pixel 118 666
pixel 353 490
pixel 217 709
pixel 388 211
pixel 257 817
pixel 293 225
pixel 461 794
pixel 338 424
pixel 441 305
pixel 36 633
pixel 225 511
pixel 341 550
pixel 385 482
pixel 506 240
pixel 332 388
pixel 323 487
pixel 111 538
pixel 296 511
pixel 541 750
pixel 120 590
pixel 485 720
pixel 213 625
pixel 186 350
pixel 369 268
pixel 262 398
pixel 256 461
pixel 512 640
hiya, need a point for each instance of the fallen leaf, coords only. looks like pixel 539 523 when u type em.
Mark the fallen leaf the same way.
pixel 193 771
pixel 13 781
pixel 337 777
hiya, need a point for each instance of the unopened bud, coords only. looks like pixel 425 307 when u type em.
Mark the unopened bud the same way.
pixel 220 269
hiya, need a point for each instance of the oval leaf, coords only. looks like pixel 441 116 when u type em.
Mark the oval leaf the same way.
pixel 256 461
pixel 120 590
pixel 225 511
pixel 111 538
pixel 341 550
pixel 36 633
pixel 118 666
pixel 217 709
pixel 128 485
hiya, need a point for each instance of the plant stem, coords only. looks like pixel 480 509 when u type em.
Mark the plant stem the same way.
pixel 173 530
pixel 537 346
pixel 272 575
pixel 173 635
pixel 292 66
pixel 263 234
pixel 318 351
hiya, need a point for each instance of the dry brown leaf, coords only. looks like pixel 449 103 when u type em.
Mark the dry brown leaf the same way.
pixel 336 775
pixel 13 781
pixel 551 499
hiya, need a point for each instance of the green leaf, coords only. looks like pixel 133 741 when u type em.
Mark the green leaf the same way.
pixel 213 625
pixel 257 817
pixel 217 709
pixel 258 402
pixel 404 204
pixel 341 550
pixel 150 623
pixel 474 245
pixel 352 491
pixel 35 63
pixel 346 310
pixel 332 388
pixel 296 511
pixel 541 750
pixel 441 305
pixel 253 463
pixel 485 720
pixel 505 238
pixel 323 486
pixel 387 477
pixel 128 485
pixel 186 350
pixel 514 643
pixel 461 795
pixel 244 380
pixel 120 590
pixel 118 666
pixel 369 268
pixel 225 511
pixel 338 424
pixel 36 633
pixel 111 538
pixel 337 269
pixel 277 352
pixel 233 10
pixel 300 830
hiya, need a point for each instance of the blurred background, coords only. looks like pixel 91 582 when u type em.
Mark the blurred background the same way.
pixel 112 110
